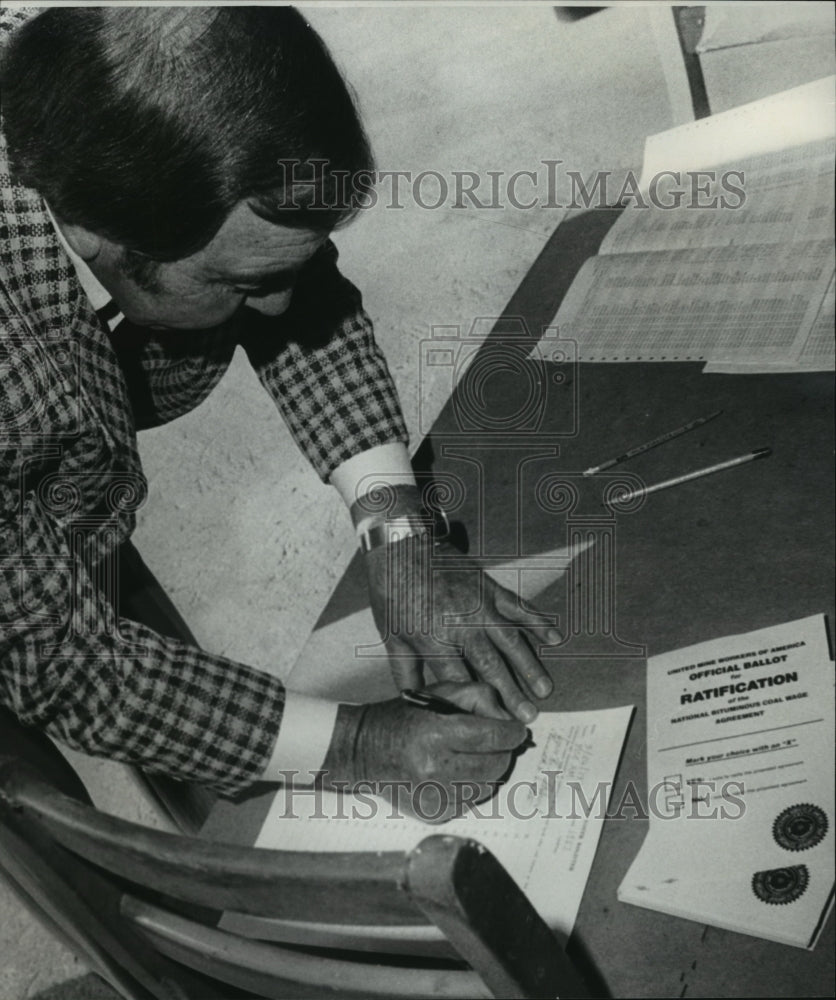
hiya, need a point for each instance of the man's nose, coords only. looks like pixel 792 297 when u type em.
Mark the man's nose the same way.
pixel 270 305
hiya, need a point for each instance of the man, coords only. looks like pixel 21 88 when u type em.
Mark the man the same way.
pixel 170 183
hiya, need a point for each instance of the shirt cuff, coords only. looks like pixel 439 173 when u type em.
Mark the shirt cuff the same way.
pixel 384 465
pixel 304 737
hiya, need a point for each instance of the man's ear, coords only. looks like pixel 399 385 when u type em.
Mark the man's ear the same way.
pixel 86 244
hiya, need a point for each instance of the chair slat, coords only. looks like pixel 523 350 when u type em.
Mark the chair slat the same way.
pixel 37 872
pixel 392 939
pixel 254 965
pixel 348 887
pixel 147 950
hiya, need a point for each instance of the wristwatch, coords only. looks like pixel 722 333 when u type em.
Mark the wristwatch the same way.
pixel 395 529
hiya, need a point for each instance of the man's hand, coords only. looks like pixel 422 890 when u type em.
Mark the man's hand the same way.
pixel 430 764
pixel 458 622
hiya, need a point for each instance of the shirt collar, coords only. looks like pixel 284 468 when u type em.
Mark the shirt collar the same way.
pixel 98 295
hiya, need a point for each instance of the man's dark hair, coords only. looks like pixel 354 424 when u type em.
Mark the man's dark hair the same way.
pixel 148 125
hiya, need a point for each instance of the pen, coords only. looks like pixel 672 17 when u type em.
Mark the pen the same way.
pixel 753 456
pixel 426 699
pixel 641 448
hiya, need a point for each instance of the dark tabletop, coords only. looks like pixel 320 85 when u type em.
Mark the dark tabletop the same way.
pixel 741 550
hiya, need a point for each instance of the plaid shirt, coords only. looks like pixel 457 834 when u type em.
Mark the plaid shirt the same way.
pixel 71 482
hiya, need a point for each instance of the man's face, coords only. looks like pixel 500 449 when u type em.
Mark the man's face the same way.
pixel 249 261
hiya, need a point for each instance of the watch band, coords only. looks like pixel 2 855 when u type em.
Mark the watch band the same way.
pixel 394 529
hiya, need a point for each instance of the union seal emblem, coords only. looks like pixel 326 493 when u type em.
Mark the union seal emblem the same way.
pixel 780 886
pixel 800 827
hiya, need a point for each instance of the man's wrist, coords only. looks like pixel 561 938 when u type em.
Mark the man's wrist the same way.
pixel 342 759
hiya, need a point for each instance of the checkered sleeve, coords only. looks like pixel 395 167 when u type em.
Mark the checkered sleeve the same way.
pixel 113 687
pixel 168 378
pixel 322 367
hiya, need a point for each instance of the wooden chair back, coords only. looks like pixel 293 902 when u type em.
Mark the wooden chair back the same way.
pixel 141 906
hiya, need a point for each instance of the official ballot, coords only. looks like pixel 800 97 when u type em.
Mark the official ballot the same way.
pixel 740 784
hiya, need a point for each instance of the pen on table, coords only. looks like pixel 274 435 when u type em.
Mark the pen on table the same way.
pixel 641 448
pixel 753 456
pixel 442 706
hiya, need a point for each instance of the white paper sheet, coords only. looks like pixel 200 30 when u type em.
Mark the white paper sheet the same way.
pixel 543 825
pixel 730 303
pixel 818 352
pixel 732 25
pixel 729 266
pixel 740 753
pixel 792 118
pixel 537 825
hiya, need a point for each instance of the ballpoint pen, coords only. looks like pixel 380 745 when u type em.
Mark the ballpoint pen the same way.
pixel 442 706
pixel 751 456
pixel 640 449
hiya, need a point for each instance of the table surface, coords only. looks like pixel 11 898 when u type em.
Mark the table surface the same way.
pixel 741 550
